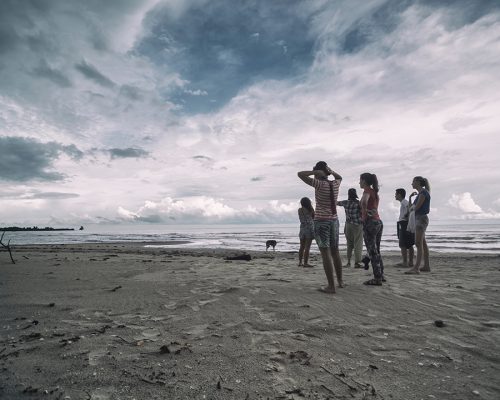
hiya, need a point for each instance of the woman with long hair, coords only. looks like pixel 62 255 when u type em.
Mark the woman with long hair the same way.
pixel 306 234
pixel 326 223
pixel 372 225
pixel 353 228
pixel 421 207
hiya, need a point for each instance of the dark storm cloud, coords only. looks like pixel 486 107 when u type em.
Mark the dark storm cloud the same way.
pixel 25 159
pixel 221 47
pixel 17 20
pixel 92 73
pixel 387 16
pixel 128 153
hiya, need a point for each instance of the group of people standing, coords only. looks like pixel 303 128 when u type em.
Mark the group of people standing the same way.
pixel 363 223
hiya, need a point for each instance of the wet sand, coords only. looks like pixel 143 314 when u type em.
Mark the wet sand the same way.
pixel 120 321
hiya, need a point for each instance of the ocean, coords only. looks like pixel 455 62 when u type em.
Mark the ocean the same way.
pixel 442 236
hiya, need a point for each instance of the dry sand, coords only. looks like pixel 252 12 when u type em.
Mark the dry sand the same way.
pixel 121 321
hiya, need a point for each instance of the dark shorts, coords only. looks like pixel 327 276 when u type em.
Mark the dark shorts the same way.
pixel 327 233
pixel 406 239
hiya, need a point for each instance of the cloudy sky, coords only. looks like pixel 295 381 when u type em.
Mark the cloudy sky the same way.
pixel 176 111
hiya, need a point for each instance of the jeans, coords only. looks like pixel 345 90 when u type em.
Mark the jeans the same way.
pixel 372 234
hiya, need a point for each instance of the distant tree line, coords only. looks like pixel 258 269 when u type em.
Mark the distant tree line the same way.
pixel 34 228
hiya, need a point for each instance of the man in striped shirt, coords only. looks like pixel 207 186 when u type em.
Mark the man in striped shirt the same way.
pixel 326 223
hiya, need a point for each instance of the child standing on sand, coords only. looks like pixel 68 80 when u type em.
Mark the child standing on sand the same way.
pixel 306 233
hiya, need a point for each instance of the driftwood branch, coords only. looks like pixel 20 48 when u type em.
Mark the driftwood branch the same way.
pixel 7 246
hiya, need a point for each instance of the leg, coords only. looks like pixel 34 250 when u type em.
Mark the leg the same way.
pixel 419 244
pixel 334 249
pixel 404 254
pixel 371 229
pixel 379 239
pixel 401 238
pixel 426 267
pixel 358 244
pixel 323 234
pixel 350 242
pixel 337 263
pixel 307 247
pixel 411 254
pixel 301 250
pixel 326 256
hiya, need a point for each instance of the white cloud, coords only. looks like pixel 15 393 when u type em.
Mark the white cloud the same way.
pixel 464 202
pixel 203 209
pixel 421 99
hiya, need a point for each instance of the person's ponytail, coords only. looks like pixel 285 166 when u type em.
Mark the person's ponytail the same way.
pixel 427 184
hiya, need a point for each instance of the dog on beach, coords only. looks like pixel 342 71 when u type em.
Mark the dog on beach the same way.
pixel 271 243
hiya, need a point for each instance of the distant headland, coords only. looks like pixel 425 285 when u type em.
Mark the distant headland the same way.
pixel 35 228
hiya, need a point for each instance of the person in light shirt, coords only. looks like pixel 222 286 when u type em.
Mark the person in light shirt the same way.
pixel 406 238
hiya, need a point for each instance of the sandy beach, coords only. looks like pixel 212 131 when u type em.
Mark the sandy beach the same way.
pixel 121 321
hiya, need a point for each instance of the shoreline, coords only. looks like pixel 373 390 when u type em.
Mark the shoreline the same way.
pixel 157 245
pixel 124 321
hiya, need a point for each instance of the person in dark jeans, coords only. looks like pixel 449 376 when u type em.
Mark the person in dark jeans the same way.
pixel 372 225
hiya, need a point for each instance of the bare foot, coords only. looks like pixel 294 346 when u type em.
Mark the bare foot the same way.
pixel 412 271
pixel 327 289
pixel 401 265
pixel 341 284
pixel 300 264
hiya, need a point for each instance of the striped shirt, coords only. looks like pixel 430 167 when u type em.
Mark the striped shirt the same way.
pixel 323 210
pixel 352 211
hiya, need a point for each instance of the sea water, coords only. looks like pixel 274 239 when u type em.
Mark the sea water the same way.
pixel 442 236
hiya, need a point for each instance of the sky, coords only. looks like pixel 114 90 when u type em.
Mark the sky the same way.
pixel 197 111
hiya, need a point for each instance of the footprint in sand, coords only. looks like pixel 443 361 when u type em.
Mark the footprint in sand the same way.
pixel 265 316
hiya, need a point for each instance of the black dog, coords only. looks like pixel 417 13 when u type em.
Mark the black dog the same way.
pixel 271 243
